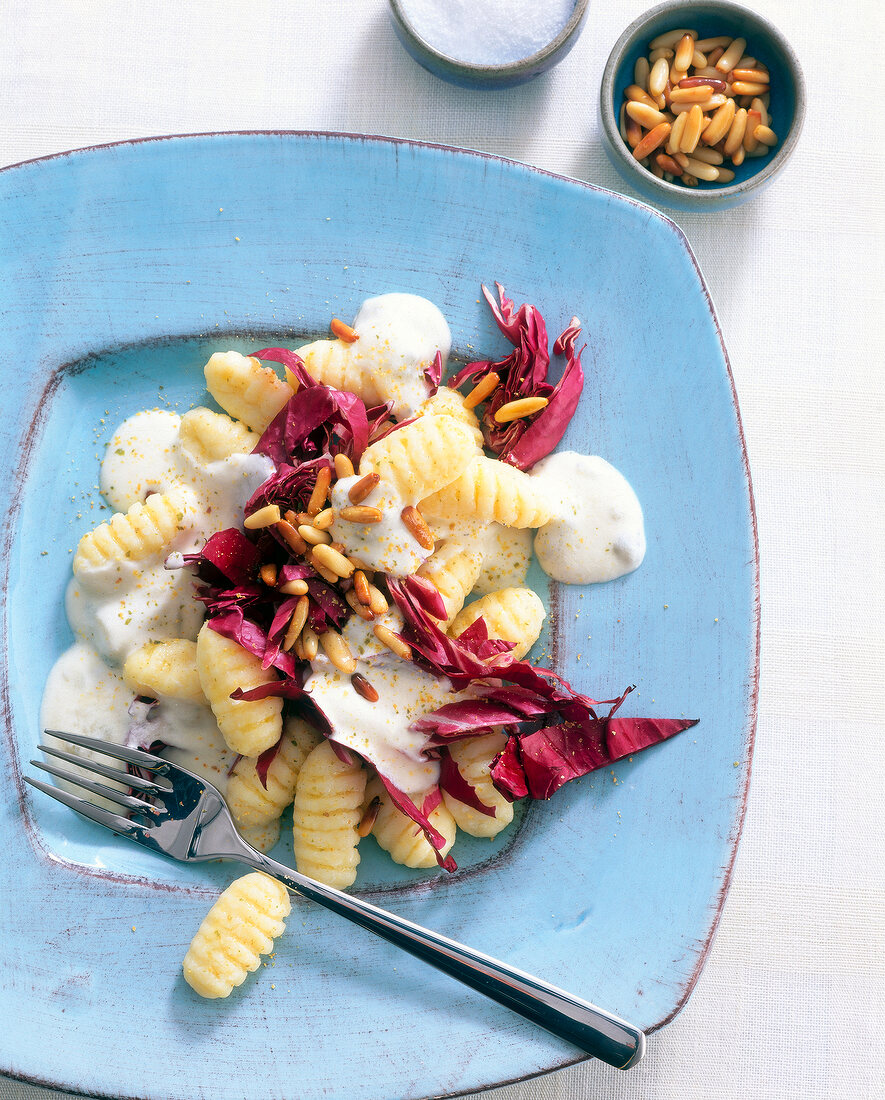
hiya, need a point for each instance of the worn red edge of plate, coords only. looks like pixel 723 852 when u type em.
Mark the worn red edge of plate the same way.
pixel 31 433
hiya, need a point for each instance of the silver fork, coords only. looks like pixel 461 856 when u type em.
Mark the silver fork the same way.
pixel 183 816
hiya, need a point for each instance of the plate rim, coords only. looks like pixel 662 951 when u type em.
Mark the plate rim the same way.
pixel 754 639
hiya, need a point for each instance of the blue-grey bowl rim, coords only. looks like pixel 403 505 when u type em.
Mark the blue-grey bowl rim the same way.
pixel 696 197
pixel 491 73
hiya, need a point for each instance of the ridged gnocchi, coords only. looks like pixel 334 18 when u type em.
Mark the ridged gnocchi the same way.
pixel 248 726
pixel 245 389
pixel 342 366
pixel 447 402
pixel 473 757
pixel 513 614
pixel 325 814
pixel 401 838
pixel 137 535
pixel 453 570
pixel 261 837
pixel 209 436
pixel 165 669
pixel 249 801
pixel 239 928
pixel 489 490
pixel 421 457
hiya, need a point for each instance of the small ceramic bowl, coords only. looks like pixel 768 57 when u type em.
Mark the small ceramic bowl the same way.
pixel 710 18
pixel 469 75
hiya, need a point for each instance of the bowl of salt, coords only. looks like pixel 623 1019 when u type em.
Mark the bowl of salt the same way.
pixel 488 43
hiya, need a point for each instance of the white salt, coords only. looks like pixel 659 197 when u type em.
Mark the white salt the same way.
pixel 487 32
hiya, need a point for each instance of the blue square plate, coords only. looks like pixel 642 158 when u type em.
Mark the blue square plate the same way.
pixel 122 268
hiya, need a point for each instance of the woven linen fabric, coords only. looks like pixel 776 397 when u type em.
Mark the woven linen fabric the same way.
pixel 789 1006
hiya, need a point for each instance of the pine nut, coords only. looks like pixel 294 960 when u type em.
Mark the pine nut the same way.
pixel 343 332
pixel 738 159
pixel 622 126
pixel 758 105
pixel 726 175
pixel 754 119
pixel 708 172
pixel 706 76
pixel 707 44
pixel 698 60
pixel 298 648
pixel 689 180
pixel 745 87
pixel 483 388
pixel 676 133
pixel 735 137
pixel 294 588
pixel 310 643
pixel 263 517
pixel 670 39
pixel 706 105
pixel 693 94
pixel 720 123
pixel 660 54
pixel 634 132
pixel 361 513
pixel 361 587
pixel 657 170
pixel 677 74
pixel 645 116
pixel 343 466
pixel 320 491
pixel 377 601
pixel 324 520
pixel 268 574
pixel 708 156
pixel 749 63
pixel 640 72
pixel 369 817
pixel 526 406
pixel 691 135
pixel 682 160
pixel 637 95
pixel 667 164
pixel 658 77
pixel 684 52
pixel 713 57
pixel 766 135
pixel 754 76
pixel 360 609
pixel 364 688
pixel 652 140
pixel 732 55
pixel 313 535
pixel 333 560
pixel 296 623
pixel 338 651
pixel 324 572
pixel 393 642
pixel 294 541
pixel 358 492
pixel 417 526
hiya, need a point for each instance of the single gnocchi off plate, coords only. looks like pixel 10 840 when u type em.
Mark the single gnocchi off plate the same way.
pixel 613 888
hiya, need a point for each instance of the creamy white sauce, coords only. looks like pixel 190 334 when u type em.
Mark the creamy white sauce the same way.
pixel 507 552
pixel 598 533
pixel 401 333
pixel 141 458
pixel 360 635
pixel 388 546
pixel 380 732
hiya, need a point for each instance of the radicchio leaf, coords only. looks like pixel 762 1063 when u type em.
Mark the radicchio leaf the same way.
pixel 433 373
pixel 264 761
pixel 227 556
pixel 434 838
pixel 453 783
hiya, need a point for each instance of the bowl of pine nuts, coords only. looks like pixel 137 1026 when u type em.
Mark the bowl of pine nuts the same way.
pixel 701 104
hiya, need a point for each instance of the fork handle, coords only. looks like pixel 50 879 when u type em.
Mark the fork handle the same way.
pixel 592 1029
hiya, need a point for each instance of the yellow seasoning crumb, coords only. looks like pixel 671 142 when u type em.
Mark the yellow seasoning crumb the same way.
pixel 236 238
pixel 737 763
pixel 133 927
pixel 666 605
pixel 715 620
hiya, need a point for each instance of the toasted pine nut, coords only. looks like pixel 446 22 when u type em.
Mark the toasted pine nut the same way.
pixel 735 137
pixel 726 175
pixel 417 526
pixel 696 94
pixel 766 135
pixel 263 517
pixel 689 180
pixel 713 103
pixel 377 602
pixel 662 53
pixel 657 170
pixel 754 76
pixel 635 94
pixel 294 588
pixel 732 55
pixel 749 63
pixel 268 574
pixel 758 105
pixel 682 160
pixel 691 135
pixel 754 119
pixel 343 466
pixel 684 52
pixel 707 44
pixel 343 332
pixel 634 132
pixel 526 406
pixel 708 172
pixel 361 587
pixel 484 387
pixel 296 623
pixel 309 642
pixel 720 123
pixel 361 513
pixel 658 77
pixel 369 817
pixel 622 125
pixel 652 140
pixel 338 651
pixel 324 571
pixel 708 156
pixel 393 642
pixel 333 560
pixel 312 535
pixel 293 539
pixel 640 72
pixel 738 159
pixel 364 688
pixel 320 491
pixel 668 164
pixel 676 133
pixel 706 76
pixel 745 87
pixel 298 648
pixel 645 116
pixel 670 38
pixel 713 57
pixel 362 610
pixel 361 489
pixel 698 60
pixel 324 520
pixel 677 74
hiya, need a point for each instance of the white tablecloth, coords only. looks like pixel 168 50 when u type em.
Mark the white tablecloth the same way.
pixel 790 1004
